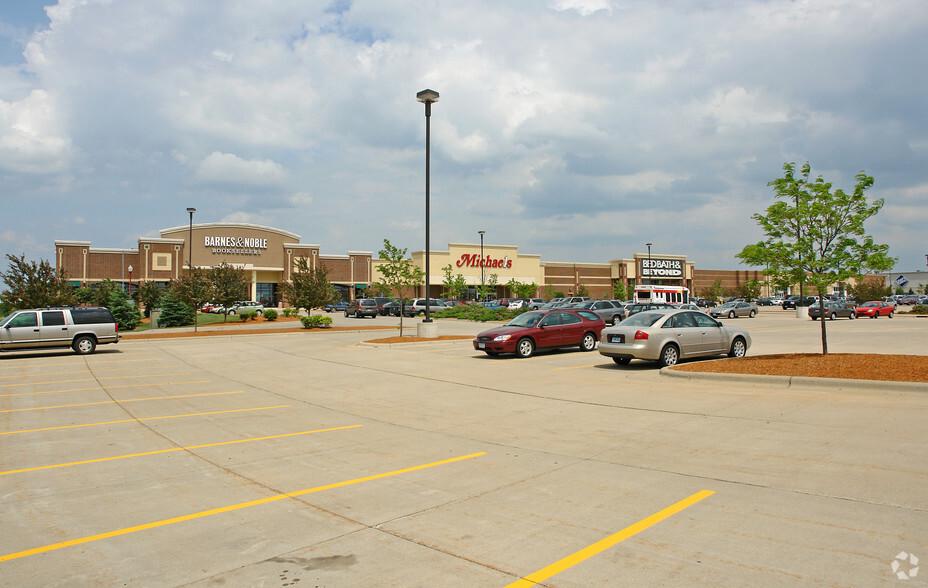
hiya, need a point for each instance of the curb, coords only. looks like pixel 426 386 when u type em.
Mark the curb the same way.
pixel 790 381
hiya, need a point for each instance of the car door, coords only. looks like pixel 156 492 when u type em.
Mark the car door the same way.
pixel 711 332
pixel 685 333
pixel 572 329
pixel 22 330
pixel 549 330
pixel 54 329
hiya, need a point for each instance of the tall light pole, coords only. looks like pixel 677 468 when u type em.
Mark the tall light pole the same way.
pixel 130 280
pixel 190 243
pixel 649 263
pixel 482 233
pixel 427 97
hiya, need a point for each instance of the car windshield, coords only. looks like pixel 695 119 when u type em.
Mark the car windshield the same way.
pixel 527 319
pixel 868 304
pixel 642 319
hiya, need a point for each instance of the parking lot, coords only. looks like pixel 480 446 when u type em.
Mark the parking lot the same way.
pixel 312 459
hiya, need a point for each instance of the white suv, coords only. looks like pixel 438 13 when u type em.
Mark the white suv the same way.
pixel 418 306
pixel 81 328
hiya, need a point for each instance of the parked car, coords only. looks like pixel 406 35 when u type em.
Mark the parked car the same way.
pixel 393 307
pixel 335 306
pixel 81 328
pixel 381 301
pixel 643 306
pixel 517 303
pixel 243 306
pixel 418 306
pixel 790 302
pixel 705 303
pixel 687 307
pixel 733 309
pixel 362 307
pixel 667 336
pixel 611 311
pixel 765 301
pixel 833 310
pixel 536 303
pixel 875 309
pixel 541 329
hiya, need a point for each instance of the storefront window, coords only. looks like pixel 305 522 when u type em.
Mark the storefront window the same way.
pixel 267 293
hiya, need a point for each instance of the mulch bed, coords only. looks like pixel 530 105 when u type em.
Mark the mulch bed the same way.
pixel 857 366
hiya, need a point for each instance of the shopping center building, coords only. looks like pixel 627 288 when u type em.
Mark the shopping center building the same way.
pixel 268 256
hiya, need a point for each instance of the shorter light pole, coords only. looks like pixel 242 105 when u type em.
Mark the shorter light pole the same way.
pixel 130 281
pixel 481 233
pixel 649 263
pixel 190 243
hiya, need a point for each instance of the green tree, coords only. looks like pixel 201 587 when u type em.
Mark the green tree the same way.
pixel 713 292
pixel 308 288
pixel 551 292
pixel 34 285
pixel 229 284
pixel 193 289
pixel 488 286
pixel 149 294
pixel 522 290
pixel 869 289
pixel 124 310
pixel 175 313
pixel 749 290
pixel 455 285
pixel 817 234
pixel 397 273
pixel 582 291
pixel 619 290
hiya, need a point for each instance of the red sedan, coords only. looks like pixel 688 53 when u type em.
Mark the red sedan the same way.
pixel 875 308
pixel 542 329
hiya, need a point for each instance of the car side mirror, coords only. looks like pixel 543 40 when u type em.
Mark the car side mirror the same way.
pixel 720 323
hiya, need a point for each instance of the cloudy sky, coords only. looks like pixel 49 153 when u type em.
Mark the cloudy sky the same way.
pixel 575 129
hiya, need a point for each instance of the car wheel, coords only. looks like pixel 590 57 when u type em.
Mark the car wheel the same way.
pixel 874 315
pixel 814 318
pixel 738 348
pixel 525 347
pixel 616 319
pixel 753 314
pixel 232 312
pixel 832 317
pixel 731 314
pixel 358 314
pixel 588 343
pixel 852 316
pixel 346 314
pixel 670 355
pixel 890 314
pixel 84 345
pixel 621 360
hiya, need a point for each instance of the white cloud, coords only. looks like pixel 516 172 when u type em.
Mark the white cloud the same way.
pixel 225 168
pixel 607 113
pixel 30 136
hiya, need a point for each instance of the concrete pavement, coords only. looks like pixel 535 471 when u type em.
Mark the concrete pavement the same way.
pixel 305 458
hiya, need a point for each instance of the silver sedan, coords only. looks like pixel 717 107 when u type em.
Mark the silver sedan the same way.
pixel 733 309
pixel 667 336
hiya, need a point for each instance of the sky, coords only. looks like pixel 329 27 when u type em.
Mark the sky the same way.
pixel 578 130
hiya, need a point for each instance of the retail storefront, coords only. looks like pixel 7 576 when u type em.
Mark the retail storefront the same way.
pixel 267 255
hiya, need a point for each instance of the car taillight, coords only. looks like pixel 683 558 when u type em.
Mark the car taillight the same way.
pixel 640 335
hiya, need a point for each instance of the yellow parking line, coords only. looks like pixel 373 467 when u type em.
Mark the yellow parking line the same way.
pixel 604 544
pixel 90 379
pixel 576 367
pixel 89 364
pixel 174 416
pixel 108 387
pixel 61 465
pixel 120 401
pixel 230 508
pixel 115 369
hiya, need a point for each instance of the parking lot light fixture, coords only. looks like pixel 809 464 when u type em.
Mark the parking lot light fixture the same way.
pixel 649 262
pixel 427 97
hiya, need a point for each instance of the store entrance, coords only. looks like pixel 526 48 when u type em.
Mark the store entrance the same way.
pixel 267 294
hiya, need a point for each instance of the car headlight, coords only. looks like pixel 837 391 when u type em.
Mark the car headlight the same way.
pixel 502 338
